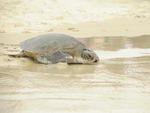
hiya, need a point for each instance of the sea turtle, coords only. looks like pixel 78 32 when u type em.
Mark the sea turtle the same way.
pixel 54 48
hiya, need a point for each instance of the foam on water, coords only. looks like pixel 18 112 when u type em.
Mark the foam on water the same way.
pixel 123 53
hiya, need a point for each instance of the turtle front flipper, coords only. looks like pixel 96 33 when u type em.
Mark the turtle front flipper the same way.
pixel 72 60
pixel 52 58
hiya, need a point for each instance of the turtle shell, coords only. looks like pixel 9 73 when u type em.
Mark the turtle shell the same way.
pixel 50 43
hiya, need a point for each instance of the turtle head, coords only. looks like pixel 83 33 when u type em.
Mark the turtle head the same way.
pixel 89 56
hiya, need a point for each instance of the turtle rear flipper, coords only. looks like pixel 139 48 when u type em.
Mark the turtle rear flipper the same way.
pixel 21 54
pixel 12 50
pixel 52 58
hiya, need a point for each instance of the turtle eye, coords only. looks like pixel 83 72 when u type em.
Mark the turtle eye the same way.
pixel 87 56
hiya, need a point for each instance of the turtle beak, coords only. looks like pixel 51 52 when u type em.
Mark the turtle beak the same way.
pixel 96 60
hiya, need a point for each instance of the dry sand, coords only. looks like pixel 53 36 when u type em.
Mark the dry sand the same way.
pixel 77 17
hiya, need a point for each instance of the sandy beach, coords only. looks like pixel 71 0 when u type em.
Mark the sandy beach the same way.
pixel 117 30
pixel 79 18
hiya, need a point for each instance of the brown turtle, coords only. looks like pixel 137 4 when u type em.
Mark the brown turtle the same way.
pixel 54 48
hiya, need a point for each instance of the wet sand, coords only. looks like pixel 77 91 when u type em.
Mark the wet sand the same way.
pixel 120 83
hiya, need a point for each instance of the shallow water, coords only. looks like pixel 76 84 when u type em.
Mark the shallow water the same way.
pixel 120 83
